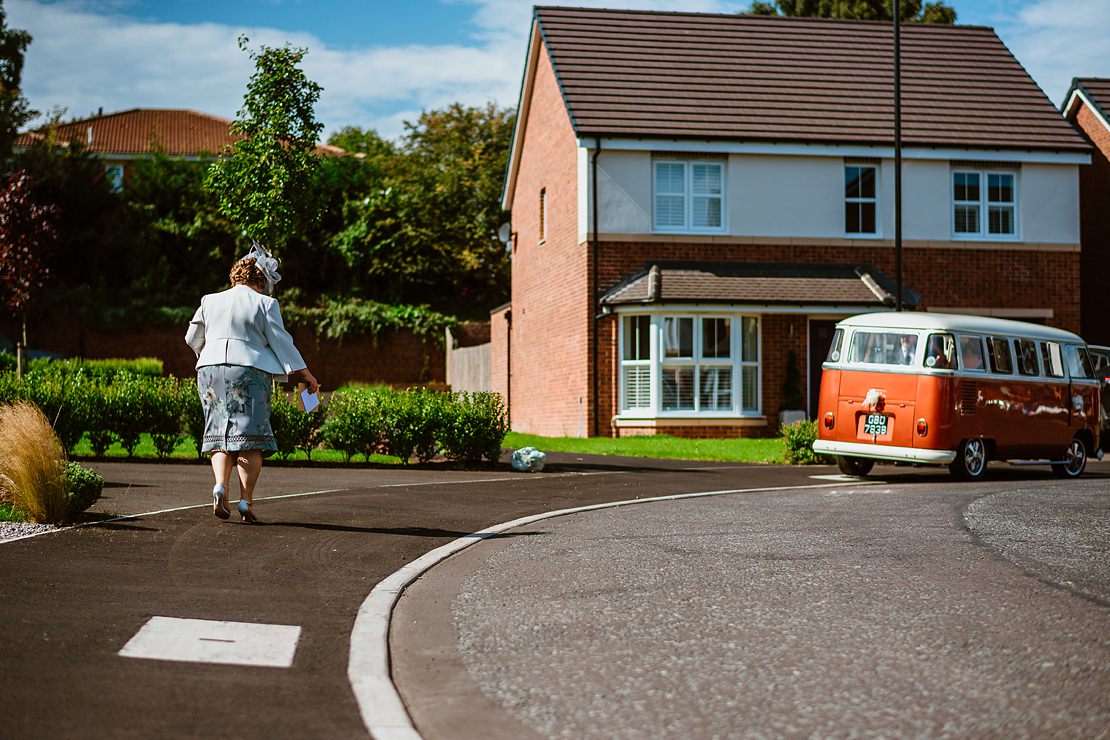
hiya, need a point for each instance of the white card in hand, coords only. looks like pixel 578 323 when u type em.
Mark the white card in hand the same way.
pixel 310 400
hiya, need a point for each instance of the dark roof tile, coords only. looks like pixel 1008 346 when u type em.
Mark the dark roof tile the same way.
pixel 767 78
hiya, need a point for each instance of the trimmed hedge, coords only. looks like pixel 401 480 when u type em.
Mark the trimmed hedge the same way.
pixel 415 424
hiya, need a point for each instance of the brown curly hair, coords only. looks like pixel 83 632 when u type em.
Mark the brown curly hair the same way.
pixel 244 272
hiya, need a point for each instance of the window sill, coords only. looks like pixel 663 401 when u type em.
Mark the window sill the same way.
pixel 659 422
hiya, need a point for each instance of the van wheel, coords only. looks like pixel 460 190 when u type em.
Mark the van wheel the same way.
pixel 1075 460
pixel 856 466
pixel 971 460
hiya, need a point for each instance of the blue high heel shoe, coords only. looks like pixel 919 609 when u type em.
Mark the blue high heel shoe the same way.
pixel 219 501
pixel 247 513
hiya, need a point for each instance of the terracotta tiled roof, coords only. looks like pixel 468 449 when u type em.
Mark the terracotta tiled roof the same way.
pixel 755 283
pixel 769 78
pixel 177 132
pixel 172 131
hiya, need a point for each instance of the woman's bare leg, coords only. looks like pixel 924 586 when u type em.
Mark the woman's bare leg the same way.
pixel 222 463
pixel 249 467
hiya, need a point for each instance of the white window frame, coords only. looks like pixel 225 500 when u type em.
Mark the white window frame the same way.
pixel 688 196
pixel 697 362
pixel 984 204
pixel 874 200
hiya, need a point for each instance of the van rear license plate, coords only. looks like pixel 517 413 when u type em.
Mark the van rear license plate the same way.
pixel 875 424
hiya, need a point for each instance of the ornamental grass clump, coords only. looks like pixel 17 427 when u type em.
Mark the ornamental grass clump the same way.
pixel 32 464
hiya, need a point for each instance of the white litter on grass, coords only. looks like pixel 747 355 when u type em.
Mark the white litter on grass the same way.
pixel 208 641
pixel 528 460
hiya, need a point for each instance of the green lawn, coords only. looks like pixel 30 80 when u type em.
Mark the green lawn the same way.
pixel 660 446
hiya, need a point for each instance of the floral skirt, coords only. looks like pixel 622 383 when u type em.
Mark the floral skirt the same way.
pixel 236 402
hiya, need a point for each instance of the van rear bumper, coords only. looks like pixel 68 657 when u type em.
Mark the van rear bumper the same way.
pixel 884 452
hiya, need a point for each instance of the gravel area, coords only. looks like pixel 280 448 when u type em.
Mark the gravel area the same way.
pixel 14 530
pixel 845 613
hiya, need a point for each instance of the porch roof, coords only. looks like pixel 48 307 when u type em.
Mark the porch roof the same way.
pixel 756 283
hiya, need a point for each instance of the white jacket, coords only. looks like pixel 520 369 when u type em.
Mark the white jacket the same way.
pixel 241 326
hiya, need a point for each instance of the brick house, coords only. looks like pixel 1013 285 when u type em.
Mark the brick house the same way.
pixel 1087 106
pixel 696 199
pixel 122 137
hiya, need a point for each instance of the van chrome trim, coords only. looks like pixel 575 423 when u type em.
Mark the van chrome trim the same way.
pixel 883 452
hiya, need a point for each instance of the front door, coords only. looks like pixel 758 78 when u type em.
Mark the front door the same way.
pixel 820 337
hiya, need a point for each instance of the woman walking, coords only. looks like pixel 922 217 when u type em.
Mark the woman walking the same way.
pixel 241 346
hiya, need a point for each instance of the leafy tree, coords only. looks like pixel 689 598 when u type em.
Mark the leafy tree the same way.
pixel 264 184
pixel 365 142
pixel 187 238
pixel 428 234
pixel 26 235
pixel 14 112
pixel 863 10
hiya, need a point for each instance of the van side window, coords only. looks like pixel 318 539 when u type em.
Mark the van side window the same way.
pixel 940 352
pixel 998 350
pixel 971 354
pixel 1027 357
pixel 1078 362
pixel 834 348
pixel 1052 359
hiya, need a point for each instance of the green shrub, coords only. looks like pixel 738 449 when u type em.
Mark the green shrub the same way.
pixel 145 404
pixel 354 424
pixel 192 412
pixel 65 400
pixel 474 426
pixel 294 429
pixel 411 422
pixel 798 439
pixel 83 488
pixel 104 369
pixel 7 362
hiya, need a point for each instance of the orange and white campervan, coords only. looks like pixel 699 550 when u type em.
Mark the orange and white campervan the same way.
pixel 956 390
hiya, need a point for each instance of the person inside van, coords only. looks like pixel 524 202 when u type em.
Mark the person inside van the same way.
pixel 908 348
pixel 940 353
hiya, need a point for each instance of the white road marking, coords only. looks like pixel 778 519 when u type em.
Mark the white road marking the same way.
pixel 380 705
pixel 208 641
pixel 837 477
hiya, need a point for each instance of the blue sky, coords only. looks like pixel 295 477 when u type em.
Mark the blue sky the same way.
pixel 382 62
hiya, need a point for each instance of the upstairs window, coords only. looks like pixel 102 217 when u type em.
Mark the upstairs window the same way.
pixel 113 175
pixel 984 204
pixel 860 200
pixel 688 195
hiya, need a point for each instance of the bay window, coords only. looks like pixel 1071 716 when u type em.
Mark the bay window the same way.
pixel 689 364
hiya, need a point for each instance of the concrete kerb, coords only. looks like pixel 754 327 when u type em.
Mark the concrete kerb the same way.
pixel 368 668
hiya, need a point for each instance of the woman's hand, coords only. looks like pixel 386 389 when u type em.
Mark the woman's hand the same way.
pixel 306 377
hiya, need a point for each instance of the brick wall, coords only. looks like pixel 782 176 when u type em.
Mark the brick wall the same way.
pixel 551 309
pixel 1094 225
pixel 953 277
pixel 398 358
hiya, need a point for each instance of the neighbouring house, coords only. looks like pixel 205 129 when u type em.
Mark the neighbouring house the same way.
pixel 1087 107
pixel 121 138
pixel 696 199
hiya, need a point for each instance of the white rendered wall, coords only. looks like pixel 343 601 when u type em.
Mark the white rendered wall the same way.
pixel 800 196
pixel 1049 202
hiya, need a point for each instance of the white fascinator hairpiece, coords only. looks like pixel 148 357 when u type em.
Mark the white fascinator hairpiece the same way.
pixel 265 262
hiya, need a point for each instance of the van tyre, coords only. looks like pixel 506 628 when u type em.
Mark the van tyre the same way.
pixel 971 460
pixel 857 466
pixel 1075 460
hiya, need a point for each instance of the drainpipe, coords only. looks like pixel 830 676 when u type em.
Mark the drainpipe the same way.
pixel 509 368
pixel 596 376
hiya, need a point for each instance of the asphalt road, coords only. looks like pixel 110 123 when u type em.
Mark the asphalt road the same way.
pixel 70 601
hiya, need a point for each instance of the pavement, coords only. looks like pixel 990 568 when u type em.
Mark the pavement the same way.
pixel 790 605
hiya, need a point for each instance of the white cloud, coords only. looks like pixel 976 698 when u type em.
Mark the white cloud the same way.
pixel 87 55
pixel 1056 40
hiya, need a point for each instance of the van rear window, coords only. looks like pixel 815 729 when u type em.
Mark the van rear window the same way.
pixel 883 348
